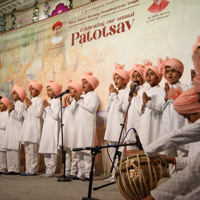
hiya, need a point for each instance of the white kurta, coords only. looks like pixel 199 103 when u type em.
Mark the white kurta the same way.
pixel 171 120
pixel 31 128
pixel 115 115
pixel 68 128
pixel 134 113
pixel 182 186
pixel 187 134
pixel 51 126
pixel 3 122
pixel 13 127
pixel 151 117
pixel 85 120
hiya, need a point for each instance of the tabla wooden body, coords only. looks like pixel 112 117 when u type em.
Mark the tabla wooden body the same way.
pixel 138 174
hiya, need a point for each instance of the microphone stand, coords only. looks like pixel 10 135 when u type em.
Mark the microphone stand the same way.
pixel 94 151
pixel 65 178
pixel 117 152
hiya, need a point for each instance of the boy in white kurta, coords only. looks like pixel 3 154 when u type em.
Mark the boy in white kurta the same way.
pixel 151 116
pixel 134 112
pixel 172 70
pixel 13 128
pixel 115 113
pixel 85 123
pixel 31 128
pixel 4 102
pixel 71 158
pixel 51 126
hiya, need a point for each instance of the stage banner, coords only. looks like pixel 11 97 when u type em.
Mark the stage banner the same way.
pixel 95 36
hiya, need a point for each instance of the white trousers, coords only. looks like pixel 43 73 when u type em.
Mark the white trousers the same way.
pixel 71 163
pixel 13 161
pixel 84 165
pixel 50 161
pixel 31 157
pixel 112 154
pixel 3 165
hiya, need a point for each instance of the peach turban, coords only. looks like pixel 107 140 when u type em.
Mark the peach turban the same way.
pixel 194 50
pixel 187 102
pixel 138 68
pixel 56 87
pixel 148 65
pixel 77 86
pixel 58 23
pixel 119 69
pixel 36 85
pixel 20 91
pixel 94 82
pixel 173 62
pixel 5 101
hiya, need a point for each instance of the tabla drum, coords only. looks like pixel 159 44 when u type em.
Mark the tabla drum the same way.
pixel 138 174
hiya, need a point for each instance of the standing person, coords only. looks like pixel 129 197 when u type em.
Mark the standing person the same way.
pixel 151 114
pixel 4 102
pixel 85 123
pixel 13 128
pixel 114 108
pixel 172 70
pixel 31 128
pixel 50 131
pixel 71 159
pixel 134 112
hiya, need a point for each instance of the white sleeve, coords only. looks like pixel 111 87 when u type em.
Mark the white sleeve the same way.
pixel 53 112
pixel 72 107
pixel 111 97
pixel 181 183
pixel 91 104
pixel 187 134
pixel 18 112
pixel 182 162
pixel 3 122
pixel 36 109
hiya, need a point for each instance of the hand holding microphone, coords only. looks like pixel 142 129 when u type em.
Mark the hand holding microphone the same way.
pixel 133 88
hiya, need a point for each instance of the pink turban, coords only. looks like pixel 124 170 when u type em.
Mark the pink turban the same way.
pixel 5 101
pixel 119 69
pixel 148 65
pixel 94 82
pixel 56 87
pixel 77 86
pixel 194 50
pixel 138 68
pixel 36 85
pixel 173 62
pixel 20 91
pixel 187 102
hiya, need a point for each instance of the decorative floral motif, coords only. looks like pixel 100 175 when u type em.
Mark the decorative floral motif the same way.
pixel 13 18
pixel 3 24
pixel 60 8
pixel 35 12
pixel 46 12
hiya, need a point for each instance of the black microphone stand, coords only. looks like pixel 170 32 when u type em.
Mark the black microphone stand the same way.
pixel 117 152
pixel 94 151
pixel 65 178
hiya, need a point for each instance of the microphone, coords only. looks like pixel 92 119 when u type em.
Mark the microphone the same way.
pixel 1 97
pixel 138 143
pixel 133 88
pixel 61 94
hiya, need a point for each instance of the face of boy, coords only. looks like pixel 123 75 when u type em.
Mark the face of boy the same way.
pixel 137 77
pixel 72 92
pixel 152 78
pixel 172 75
pixel 2 107
pixel 15 96
pixel 50 92
pixel 87 87
pixel 34 92
pixel 119 82
pixel 57 31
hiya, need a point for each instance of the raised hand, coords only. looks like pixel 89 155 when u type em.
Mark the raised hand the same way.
pixel 112 89
pixel 167 88
pixel 11 107
pixel 45 103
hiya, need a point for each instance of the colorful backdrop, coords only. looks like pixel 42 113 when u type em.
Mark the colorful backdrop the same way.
pixel 95 36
